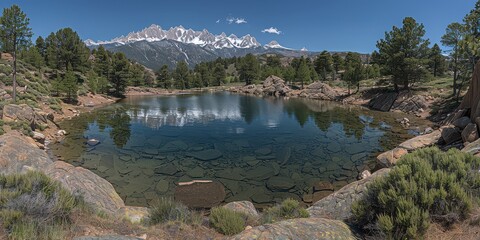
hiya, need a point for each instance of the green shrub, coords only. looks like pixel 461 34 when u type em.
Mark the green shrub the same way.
pixel 288 209
pixel 227 221
pixel 426 185
pixel 32 206
pixel 165 209
pixel 23 127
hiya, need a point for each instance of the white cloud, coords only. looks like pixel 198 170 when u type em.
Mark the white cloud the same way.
pixel 218 21
pixel 231 20
pixel 272 30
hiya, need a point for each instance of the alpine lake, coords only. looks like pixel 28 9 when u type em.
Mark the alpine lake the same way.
pixel 261 149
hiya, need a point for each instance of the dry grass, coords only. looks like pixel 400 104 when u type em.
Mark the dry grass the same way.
pixel 466 230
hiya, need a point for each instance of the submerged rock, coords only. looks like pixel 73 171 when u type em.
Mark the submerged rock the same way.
pixel 280 183
pixel 200 194
pixel 206 155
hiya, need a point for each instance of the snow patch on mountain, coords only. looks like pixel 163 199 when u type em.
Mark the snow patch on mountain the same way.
pixel 274 44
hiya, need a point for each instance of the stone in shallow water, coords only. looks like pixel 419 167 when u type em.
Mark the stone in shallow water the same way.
pixel 206 155
pixel 323 186
pixel 167 169
pixel 269 157
pixel 200 195
pixel 355 148
pixel 280 183
pixel 231 173
pixel 150 151
pixel 261 197
pixel 334 147
pixel 320 195
pixel 260 173
pixel 92 142
pixel 319 152
pixel 162 186
pixel 196 172
pixel 174 146
pixel 263 151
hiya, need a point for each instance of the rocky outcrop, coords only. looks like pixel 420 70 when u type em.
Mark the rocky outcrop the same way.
pixel 383 102
pixel 94 189
pixel 299 229
pixel 338 205
pixel 200 194
pixel 23 112
pixel 390 158
pixel 19 154
pixel 275 86
pixel 319 90
pixel 422 141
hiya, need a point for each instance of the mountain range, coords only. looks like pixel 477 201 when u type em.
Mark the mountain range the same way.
pixel 154 46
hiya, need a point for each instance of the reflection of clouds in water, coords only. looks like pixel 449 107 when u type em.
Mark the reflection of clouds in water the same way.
pixel 155 118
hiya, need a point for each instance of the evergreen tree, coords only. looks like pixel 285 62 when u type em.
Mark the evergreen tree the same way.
pixel 15 34
pixel 437 61
pixel 163 79
pixel 181 75
pixel 71 50
pixel 303 73
pixel 324 65
pixel 51 53
pixel 97 84
pixel 69 84
pixel 289 74
pixel 219 74
pixel 33 56
pixel 403 53
pixel 353 70
pixel 103 62
pixel 249 69
pixel 56 85
pixel 452 38
pixel 40 44
pixel 338 64
pixel 137 75
pixel 120 73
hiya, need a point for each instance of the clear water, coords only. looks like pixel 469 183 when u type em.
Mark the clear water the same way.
pixel 149 144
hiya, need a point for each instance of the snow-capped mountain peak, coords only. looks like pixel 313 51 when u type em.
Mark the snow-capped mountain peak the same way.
pixel 155 33
pixel 274 44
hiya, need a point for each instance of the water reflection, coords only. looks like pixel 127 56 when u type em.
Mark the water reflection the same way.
pixel 151 140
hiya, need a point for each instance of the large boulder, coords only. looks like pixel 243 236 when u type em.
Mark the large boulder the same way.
pixel 299 229
pixel 462 122
pixel 19 154
pixel 451 135
pixel 421 141
pixel 470 133
pixel 338 205
pixel 472 148
pixel 94 189
pixel 200 194
pixel 244 207
pixel 390 158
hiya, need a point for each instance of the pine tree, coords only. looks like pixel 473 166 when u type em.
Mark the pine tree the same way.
pixel 324 65
pixel 303 73
pixel 249 69
pixel 338 64
pixel 163 79
pixel 120 73
pixel 40 44
pixel 353 70
pixel 452 38
pixel 403 53
pixel 436 61
pixel 33 56
pixel 180 75
pixel 137 75
pixel 219 74
pixel 69 84
pixel 15 34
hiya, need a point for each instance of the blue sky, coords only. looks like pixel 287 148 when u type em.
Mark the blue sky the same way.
pixel 335 25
